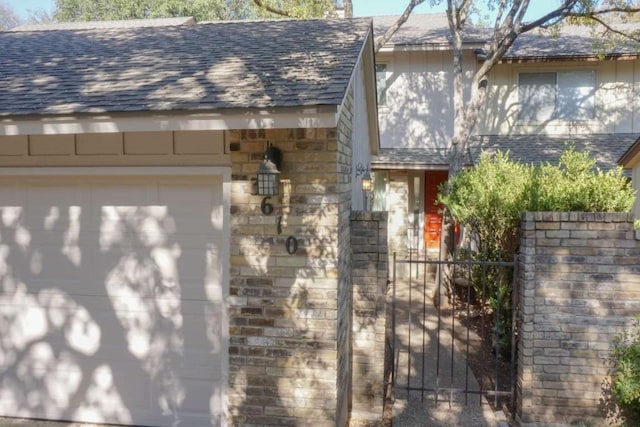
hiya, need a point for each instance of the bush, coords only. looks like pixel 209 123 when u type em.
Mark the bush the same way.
pixel 489 199
pixel 625 381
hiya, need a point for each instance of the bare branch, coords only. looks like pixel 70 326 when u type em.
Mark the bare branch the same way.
pixel 611 29
pixel 268 8
pixel 382 40
pixel 560 12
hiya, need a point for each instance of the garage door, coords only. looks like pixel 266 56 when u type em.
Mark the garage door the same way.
pixel 111 299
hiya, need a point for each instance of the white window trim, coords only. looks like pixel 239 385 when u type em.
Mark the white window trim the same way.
pixel 388 74
pixel 557 69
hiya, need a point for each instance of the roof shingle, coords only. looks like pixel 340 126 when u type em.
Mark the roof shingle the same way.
pixel 210 66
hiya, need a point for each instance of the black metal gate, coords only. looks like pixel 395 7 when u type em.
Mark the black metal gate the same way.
pixel 454 339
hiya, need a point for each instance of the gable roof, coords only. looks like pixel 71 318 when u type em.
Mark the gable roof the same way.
pixel 94 25
pixel 631 157
pixel 205 67
pixel 572 41
pixel 424 29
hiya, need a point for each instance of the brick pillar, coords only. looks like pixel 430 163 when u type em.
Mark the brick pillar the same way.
pixel 369 273
pixel 579 287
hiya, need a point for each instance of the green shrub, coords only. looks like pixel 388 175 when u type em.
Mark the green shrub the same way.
pixel 489 199
pixel 625 381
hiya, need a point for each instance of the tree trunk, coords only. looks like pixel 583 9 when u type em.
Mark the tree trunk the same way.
pixel 348 8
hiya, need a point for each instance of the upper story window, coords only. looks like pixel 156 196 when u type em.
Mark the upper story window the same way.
pixel 564 95
pixel 381 83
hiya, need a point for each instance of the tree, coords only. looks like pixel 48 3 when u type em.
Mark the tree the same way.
pixel 299 9
pixel 8 18
pixel 508 24
pixel 201 10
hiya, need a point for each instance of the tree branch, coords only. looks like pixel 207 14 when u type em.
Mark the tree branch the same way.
pixel 609 28
pixel 382 40
pixel 268 8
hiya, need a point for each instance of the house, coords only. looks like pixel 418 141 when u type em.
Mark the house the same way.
pixel 548 90
pixel 143 279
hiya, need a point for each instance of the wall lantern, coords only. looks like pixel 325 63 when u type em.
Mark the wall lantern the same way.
pixel 269 172
pixel 268 180
pixel 367 182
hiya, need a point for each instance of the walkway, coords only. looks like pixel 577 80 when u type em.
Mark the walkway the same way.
pixel 415 313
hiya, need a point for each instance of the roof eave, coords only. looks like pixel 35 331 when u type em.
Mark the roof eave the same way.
pixel 408 47
pixel 321 116
pixel 568 58
pixel 631 157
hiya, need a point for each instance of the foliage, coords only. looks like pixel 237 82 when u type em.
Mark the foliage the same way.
pixel 576 184
pixel 201 10
pixel 489 199
pixel 8 18
pixel 625 381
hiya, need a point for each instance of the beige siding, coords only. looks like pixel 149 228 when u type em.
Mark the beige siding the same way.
pixel 206 148
pixel 360 138
pixel 616 106
pixel 419 110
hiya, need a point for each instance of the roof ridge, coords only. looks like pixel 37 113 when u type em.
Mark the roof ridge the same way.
pixel 112 24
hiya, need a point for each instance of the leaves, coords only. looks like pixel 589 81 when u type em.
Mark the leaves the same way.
pixel 201 10
pixel 8 18
pixel 490 197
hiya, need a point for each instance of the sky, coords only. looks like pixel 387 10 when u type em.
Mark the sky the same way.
pixel 360 7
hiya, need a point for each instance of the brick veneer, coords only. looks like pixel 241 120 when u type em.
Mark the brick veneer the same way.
pixel 283 308
pixel 370 274
pixel 579 286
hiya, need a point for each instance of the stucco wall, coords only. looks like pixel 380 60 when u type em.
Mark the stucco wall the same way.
pixel 579 286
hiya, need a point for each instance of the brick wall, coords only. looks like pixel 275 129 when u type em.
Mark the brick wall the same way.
pixel 283 308
pixel 398 203
pixel 579 286
pixel 370 274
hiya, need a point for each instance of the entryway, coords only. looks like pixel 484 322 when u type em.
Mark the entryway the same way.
pixel 441 353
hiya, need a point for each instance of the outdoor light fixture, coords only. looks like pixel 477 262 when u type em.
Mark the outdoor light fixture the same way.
pixel 269 172
pixel 366 183
pixel 269 177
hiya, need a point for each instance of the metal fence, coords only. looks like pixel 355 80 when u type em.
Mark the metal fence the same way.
pixel 454 328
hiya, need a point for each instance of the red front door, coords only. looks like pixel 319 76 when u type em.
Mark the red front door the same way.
pixel 433 217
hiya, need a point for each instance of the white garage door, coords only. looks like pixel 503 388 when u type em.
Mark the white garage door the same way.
pixel 111 299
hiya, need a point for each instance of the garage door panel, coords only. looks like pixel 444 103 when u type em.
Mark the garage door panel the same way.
pixel 113 274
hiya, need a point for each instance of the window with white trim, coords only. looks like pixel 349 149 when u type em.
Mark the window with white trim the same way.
pixel 381 83
pixel 563 95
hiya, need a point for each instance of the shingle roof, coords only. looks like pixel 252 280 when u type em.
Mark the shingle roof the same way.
pixel 423 29
pixel 413 158
pixel 536 149
pixel 572 41
pixel 222 65
pixel 94 25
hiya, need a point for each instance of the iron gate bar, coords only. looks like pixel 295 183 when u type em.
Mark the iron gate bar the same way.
pixel 467 265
